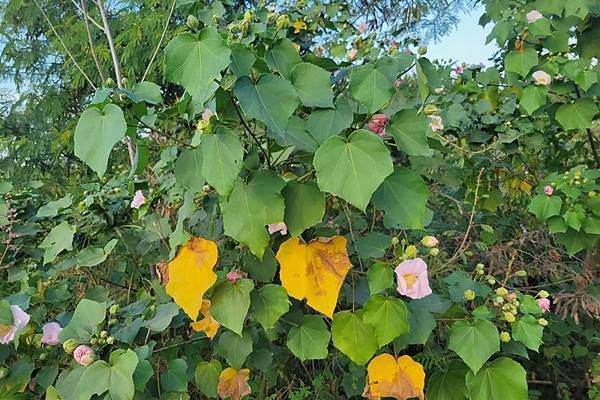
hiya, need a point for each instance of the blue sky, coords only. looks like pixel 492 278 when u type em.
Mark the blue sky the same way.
pixel 466 43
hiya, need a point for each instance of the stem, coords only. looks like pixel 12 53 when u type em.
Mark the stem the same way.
pixel 89 35
pixel 593 146
pixel 87 16
pixel 162 37
pixel 87 78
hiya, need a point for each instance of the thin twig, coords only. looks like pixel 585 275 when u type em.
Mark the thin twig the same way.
pixel 593 146
pixel 87 78
pixel 88 16
pixel 162 37
pixel 91 42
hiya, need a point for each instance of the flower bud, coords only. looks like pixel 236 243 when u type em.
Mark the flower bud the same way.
pixel 543 294
pixel 430 109
pixel 521 273
pixel 282 22
pixel 395 241
pixel 206 188
pixel 429 241
pixel 509 317
pixel 84 355
pixel 543 322
pixel 411 251
pixel 114 309
pixel 498 300
pixel 70 345
pixel 490 280
pixel 422 50
pixel 504 337
pixel 434 252
pixel 192 22
pixel 3 372
pixel 469 295
pixel 103 334
pixel 110 340
pixel 479 267
pixel 501 291
pixel 109 82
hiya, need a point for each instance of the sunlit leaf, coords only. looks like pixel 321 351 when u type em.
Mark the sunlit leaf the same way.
pixel 401 378
pixel 208 324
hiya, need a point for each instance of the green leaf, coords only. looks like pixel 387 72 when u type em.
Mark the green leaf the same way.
pixel 503 379
pixel 322 124
pixel 297 136
pixel 410 132
pixel 313 85
pixel 86 318
pixel 60 238
pixel 222 154
pixel 242 60
pixel 251 207
pixel 304 206
pixel 474 342
pixel 544 206
pixel 283 57
pixel 188 169
pixel 92 256
pixel 521 61
pixel 575 218
pixel 52 208
pixel 533 97
pixel 592 225
pixel 162 318
pixel 6 317
pixel 195 61
pixel 403 197
pixel 373 84
pixel 272 100
pixel 380 277
pixel 450 384
pixel 387 316
pixel 372 245
pixel 577 115
pixel 207 377
pixel 96 133
pixel 260 270
pixel 353 337
pixel 575 241
pixel 148 92
pixel 174 378
pixel 527 331
pixel 230 302
pixel 528 305
pixel 310 339
pixel 353 169
pixel 269 303
pixel 234 348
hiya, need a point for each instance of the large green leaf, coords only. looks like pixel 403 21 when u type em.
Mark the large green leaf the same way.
pixel 450 384
pixel 174 378
pixel 474 342
pixel 269 303
pixel 251 207
pixel 207 377
pixel 521 61
pixel 410 132
pixel 533 97
pixel 272 100
pixel 304 206
pixel 353 337
pixel 577 115
pixel 373 84
pixel 60 238
pixel 503 379
pixel 242 60
pixel 222 154
pixel 313 85
pixel 528 331
pixel 544 206
pixel 96 133
pixel 322 124
pixel 230 302
pixel 86 318
pixel 403 197
pixel 162 318
pixel 52 208
pixel 188 169
pixel 283 57
pixel 353 169
pixel 380 277
pixel 387 316
pixel 194 61
pixel 235 348
pixel 310 339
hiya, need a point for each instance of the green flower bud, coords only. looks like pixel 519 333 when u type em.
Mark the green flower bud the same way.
pixel 282 22
pixel 3 372
pixel 490 280
pixel 501 291
pixel 192 22
pixel 479 267
pixel 521 273
pixel 109 82
pixel 114 309
pixel 93 341
pixel 509 317
pixel 422 50
pixel 395 241
pixel 504 337
pixel 411 251
pixel 498 300
pixel 430 109
pixel 434 252
pixel 543 294
pixel 70 345
pixel 543 322
pixel 110 340
pixel 103 334
pixel 113 321
pixel 469 295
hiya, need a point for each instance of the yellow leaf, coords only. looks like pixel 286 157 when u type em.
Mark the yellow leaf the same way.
pixel 233 383
pixel 208 324
pixel 314 271
pixel 400 379
pixel 191 274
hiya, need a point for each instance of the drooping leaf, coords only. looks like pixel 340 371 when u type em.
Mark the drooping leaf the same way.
pixel 269 303
pixel 174 378
pixel 474 342
pixel 410 132
pixel 403 197
pixel 272 100
pixel 503 379
pixel 401 378
pixel 309 340
pixel 353 337
pixel 148 92
pixel 92 256
pixel 195 61
pixel 60 238
pixel 234 384
pixel 521 61
pixel 208 324
pixel 222 154
pixel 313 85
pixel 353 169
pixel 314 271
pixel 230 303
pixel 577 115
pixel 207 377
pixel 86 318
pixel 242 60
pixel 251 207
pixel 528 331
pixel 52 208
pixel 304 206
pixel 388 316
pixel 96 134
pixel 191 274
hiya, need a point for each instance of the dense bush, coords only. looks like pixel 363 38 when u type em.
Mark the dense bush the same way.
pixel 298 208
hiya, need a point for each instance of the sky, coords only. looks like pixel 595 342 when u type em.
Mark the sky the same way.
pixel 466 43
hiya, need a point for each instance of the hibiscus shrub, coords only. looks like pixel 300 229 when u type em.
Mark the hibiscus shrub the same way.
pixel 297 209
